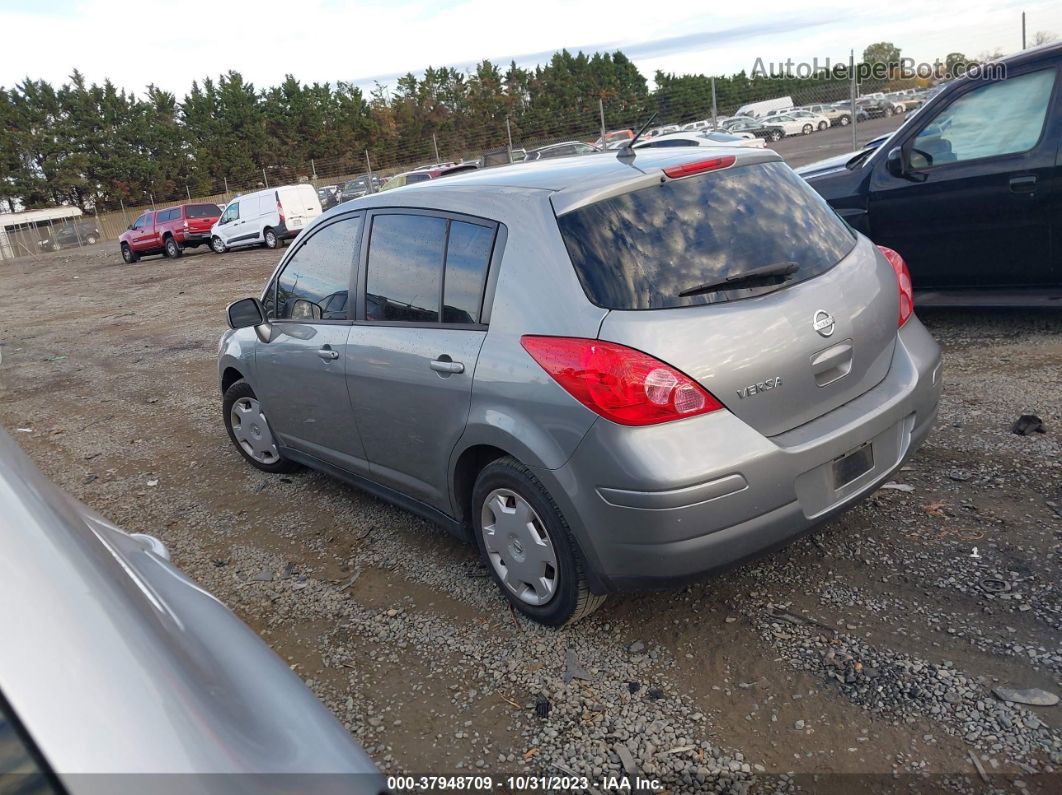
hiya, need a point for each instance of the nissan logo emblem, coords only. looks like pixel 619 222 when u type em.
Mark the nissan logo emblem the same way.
pixel 823 323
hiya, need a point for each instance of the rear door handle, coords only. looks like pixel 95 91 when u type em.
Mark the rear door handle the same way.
pixel 1025 184
pixel 446 366
pixel 328 354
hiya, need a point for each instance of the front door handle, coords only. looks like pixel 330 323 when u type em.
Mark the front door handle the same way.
pixel 441 365
pixel 328 354
pixel 1026 184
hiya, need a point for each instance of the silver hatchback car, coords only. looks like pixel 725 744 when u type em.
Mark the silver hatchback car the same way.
pixel 611 372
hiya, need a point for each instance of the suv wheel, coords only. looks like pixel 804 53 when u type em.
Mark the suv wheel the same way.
pixel 128 254
pixel 172 249
pixel 217 245
pixel 808 129
pixel 528 545
pixel 269 237
pixel 249 430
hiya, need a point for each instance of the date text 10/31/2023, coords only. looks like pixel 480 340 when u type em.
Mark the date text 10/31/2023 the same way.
pixel 486 783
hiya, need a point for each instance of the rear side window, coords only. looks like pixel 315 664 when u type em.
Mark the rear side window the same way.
pixel 641 249
pixel 201 210
pixel 411 178
pixel 315 282
pixel 468 251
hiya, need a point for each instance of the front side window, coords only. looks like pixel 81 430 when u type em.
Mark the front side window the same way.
pixel 995 119
pixel 232 212
pixel 405 268
pixel 315 282
pixel 139 222
pixel 642 249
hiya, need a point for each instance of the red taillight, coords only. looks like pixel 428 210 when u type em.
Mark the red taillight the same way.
pixel 903 279
pixel 280 209
pixel 700 166
pixel 619 383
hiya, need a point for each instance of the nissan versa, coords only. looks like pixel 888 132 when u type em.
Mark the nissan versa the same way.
pixel 611 372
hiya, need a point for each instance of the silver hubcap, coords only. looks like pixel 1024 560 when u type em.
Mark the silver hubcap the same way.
pixel 519 547
pixel 218 245
pixel 271 239
pixel 252 432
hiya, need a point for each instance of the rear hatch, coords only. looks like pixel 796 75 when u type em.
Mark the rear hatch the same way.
pixel 777 352
pixel 300 204
pixel 201 217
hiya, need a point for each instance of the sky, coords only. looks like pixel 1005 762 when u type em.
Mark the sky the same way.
pixel 171 43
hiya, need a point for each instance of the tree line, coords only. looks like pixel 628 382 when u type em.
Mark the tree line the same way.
pixel 95 146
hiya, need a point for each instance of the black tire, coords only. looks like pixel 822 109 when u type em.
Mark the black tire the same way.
pixel 845 120
pixel 823 125
pixel 217 245
pixel 808 129
pixel 572 600
pixel 91 240
pixel 241 389
pixel 774 135
pixel 128 254
pixel 269 238
pixel 171 248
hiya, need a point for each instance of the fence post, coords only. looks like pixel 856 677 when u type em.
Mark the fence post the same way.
pixel 313 170
pixel 601 110
pixel 188 191
pixel 226 181
pixel 435 143
pixel 125 218
pixel 715 108
pixel 368 165
pixel 152 196
pixel 853 92
pixel 265 179
pixel 509 133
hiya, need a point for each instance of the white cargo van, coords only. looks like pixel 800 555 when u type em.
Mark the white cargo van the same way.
pixel 757 109
pixel 265 217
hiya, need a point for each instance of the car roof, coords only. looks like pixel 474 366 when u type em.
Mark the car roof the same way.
pixel 571 181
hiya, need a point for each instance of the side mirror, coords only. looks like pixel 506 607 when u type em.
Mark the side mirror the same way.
pixel 245 313
pixel 894 162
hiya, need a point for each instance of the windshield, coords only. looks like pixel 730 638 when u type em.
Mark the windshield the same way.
pixel 640 250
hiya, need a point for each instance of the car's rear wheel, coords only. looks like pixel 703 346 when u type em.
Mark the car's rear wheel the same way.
pixel 808 129
pixel 128 254
pixel 91 240
pixel 528 547
pixel 775 135
pixel 173 250
pixel 269 237
pixel 249 430
pixel 823 125
pixel 217 245
pixel 845 120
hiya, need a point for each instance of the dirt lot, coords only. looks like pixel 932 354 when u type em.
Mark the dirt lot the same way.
pixel 869 648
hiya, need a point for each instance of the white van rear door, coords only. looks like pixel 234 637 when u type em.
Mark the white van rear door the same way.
pixel 301 205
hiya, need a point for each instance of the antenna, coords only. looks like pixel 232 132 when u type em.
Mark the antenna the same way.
pixel 626 150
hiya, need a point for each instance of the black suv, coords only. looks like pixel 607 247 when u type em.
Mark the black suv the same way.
pixel 969 189
pixel 79 233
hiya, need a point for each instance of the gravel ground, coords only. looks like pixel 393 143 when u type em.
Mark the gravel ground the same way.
pixel 870 649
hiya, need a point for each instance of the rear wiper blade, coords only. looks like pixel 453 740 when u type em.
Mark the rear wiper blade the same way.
pixel 765 275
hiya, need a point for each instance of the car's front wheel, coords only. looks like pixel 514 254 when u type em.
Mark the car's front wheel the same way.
pixel 217 245
pixel 846 120
pixel 774 135
pixel 249 430
pixel 823 125
pixel 128 254
pixel 808 129
pixel 528 546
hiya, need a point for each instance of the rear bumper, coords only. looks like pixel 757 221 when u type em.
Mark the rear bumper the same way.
pixel 286 233
pixel 658 505
pixel 195 238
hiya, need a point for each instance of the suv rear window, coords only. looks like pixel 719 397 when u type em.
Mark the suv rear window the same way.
pixel 641 249
pixel 201 211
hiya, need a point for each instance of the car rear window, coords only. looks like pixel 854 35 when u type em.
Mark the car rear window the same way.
pixel 201 211
pixel 641 249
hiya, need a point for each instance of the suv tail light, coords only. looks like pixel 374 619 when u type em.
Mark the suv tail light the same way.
pixel 621 384
pixel 280 209
pixel 903 279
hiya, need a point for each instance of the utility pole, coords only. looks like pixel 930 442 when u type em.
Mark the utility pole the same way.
pixel 435 144
pixel 1023 30
pixel 509 132
pixel 852 97
pixel 601 108
pixel 715 108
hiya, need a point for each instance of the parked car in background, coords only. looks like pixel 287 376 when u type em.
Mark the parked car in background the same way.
pixel 356 188
pixel 67 234
pixel 790 125
pixel 425 174
pixel 757 109
pixel 837 116
pixel 860 113
pixel 820 121
pixel 967 188
pixel 328 195
pixel 664 130
pixel 696 126
pixel 613 375
pixel 708 138
pixel 168 232
pixel 613 137
pixel 747 124
pixel 565 149
pixel 118 668
pixel 266 217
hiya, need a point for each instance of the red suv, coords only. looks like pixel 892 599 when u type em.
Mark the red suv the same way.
pixel 169 232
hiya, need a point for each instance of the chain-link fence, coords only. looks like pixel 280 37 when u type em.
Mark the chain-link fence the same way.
pixel 691 103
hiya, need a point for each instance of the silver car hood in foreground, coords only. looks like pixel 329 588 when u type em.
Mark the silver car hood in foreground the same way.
pixel 116 663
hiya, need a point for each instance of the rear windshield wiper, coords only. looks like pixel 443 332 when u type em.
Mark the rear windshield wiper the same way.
pixel 764 276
